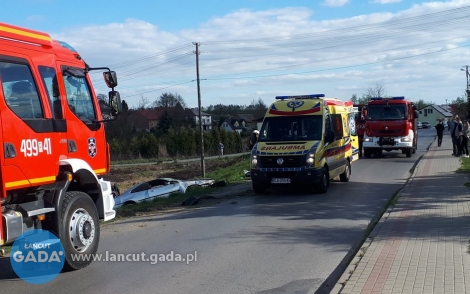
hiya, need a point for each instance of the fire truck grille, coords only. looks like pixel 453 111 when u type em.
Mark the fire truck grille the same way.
pixel 287 161
pixel 388 132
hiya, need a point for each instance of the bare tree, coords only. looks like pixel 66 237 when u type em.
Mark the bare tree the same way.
pixel 377 91
pixel 169 100
pixel 143 102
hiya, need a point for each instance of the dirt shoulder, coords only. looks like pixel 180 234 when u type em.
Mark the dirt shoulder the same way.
pixel 126 176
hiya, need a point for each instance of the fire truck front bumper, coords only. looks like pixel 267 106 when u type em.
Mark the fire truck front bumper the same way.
pixel 387 142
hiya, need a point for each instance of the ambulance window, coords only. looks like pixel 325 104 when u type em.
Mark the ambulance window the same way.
pixel 49 80
pixel 337 124
pixel 20 91
pixel 313 128
pixel 327 120
pixel 79 96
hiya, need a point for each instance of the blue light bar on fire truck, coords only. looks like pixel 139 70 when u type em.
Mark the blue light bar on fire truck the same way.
pixel 311 96
pixel 393 98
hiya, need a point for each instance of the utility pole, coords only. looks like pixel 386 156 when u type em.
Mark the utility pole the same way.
pixel 467 90
pixel 203 165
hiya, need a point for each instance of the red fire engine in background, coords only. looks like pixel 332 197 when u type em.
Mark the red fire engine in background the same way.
pixel 54 149
pixel 390 124
pixel 359 110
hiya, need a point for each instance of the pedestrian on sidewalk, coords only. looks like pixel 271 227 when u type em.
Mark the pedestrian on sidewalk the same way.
pixel 440 132
pixel 453 124
pixel 458 136
pixel 221 149
pixel 465 135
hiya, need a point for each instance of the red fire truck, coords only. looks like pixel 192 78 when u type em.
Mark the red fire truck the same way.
pixel 54 150
pixel 390 125
pixel 359 110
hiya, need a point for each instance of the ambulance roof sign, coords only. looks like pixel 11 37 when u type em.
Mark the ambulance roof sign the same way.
pixel 311 96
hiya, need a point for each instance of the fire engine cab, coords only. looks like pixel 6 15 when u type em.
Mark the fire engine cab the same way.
pixel 390 125
pixel 54 151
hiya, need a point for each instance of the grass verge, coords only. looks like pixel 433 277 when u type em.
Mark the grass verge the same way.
pixel 231 174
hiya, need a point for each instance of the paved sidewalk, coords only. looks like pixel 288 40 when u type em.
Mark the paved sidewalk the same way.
pixel 420 244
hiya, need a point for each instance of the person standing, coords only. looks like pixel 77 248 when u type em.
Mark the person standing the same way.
pixel 458 136
pixel 440 132
pixel 453 124
pixel 221 149
pixel 465 135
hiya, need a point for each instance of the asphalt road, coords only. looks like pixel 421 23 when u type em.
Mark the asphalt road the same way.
pixel 284 242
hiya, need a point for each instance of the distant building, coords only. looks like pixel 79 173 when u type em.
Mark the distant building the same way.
pixel 243 121
pixel 227 127
pixel 145 119
pixel 193 113
pixel 433 113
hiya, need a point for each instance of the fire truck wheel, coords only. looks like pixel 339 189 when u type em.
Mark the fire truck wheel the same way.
pixel 322 187
pixel 259 189
pixel 408 152
pixel 344 177
pixel 367 153
pixel 79 229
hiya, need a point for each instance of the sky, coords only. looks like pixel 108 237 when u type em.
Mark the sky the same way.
pixel 259 49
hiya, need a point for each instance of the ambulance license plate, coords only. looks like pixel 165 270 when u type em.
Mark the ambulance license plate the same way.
pixel 280 181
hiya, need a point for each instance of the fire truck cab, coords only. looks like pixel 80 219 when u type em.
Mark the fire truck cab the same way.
pixel 391 124
pixel 304 141
pixel 54 149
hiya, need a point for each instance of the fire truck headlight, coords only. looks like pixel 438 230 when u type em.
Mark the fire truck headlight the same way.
pixel 310 159
pixel 405 139
pixel 254 161
pixel 368 139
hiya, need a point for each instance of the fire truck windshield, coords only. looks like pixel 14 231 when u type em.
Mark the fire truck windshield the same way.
pixel 291 128
pixel 386 112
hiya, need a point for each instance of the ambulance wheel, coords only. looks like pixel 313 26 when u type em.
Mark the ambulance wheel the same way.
pixel 322 187
pixel 344 177
pixel 79 229
pixel 367 153
pixel 259 189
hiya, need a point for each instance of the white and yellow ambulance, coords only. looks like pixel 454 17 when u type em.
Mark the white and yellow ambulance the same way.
pixel 304 141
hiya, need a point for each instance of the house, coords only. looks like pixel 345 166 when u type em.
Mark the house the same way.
pixel 193 113
pixel 432 113
pixel 238 123
pixel 227 127
pixel 145 119
pixel 243 121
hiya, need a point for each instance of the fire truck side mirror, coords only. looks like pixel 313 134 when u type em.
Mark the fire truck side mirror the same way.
pixel 416 115
pixel 110 78
pixel 115 102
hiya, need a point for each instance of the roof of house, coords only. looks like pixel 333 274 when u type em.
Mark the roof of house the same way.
pixel 442 109
pixel 152 114
pixel 195 112
pixel 243 116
